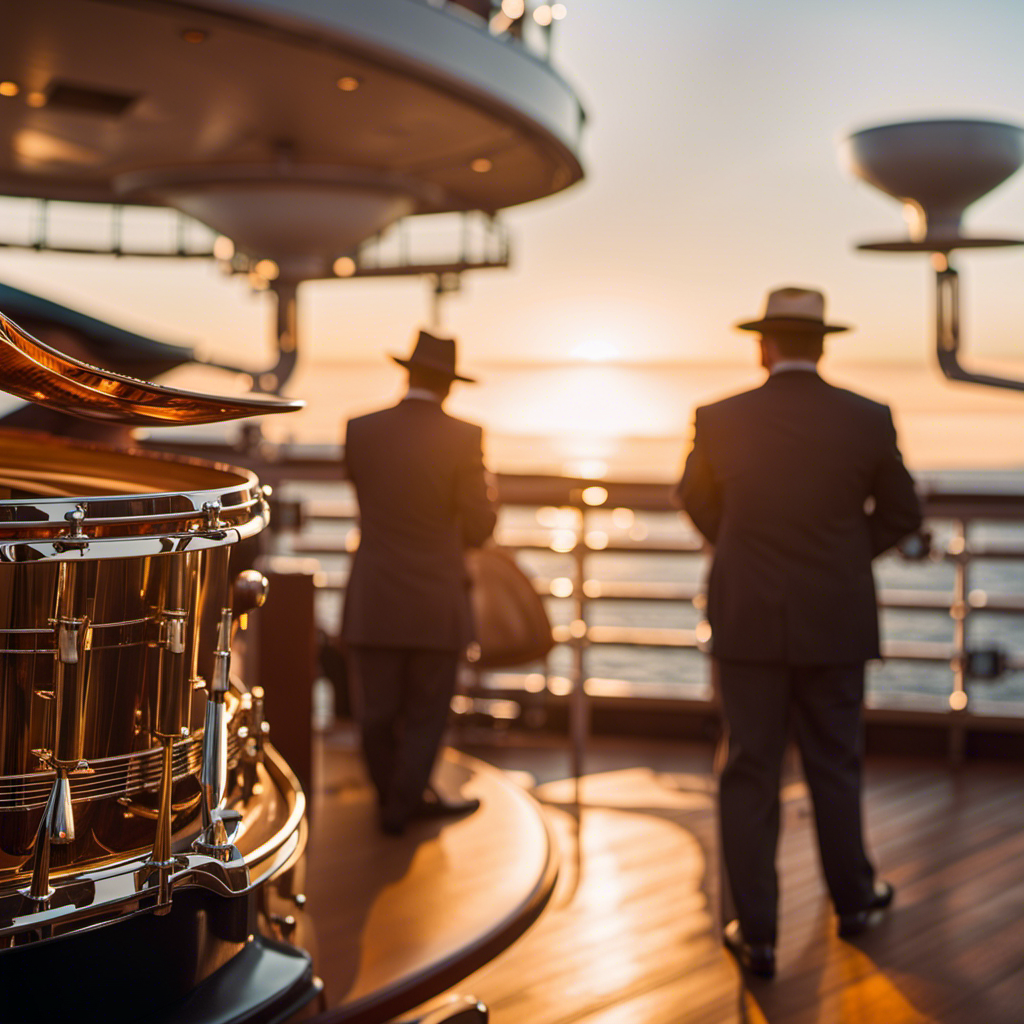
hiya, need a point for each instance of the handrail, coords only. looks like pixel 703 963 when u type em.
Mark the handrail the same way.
pixel 962 509
pixel 287 466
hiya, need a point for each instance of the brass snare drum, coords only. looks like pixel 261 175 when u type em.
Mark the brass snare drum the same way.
pixel 113 580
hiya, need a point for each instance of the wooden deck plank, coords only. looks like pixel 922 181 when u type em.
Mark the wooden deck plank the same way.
pixel 631 936
pixel 953 842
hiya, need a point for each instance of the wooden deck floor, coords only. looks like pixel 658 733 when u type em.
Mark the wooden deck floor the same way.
pixel 631 933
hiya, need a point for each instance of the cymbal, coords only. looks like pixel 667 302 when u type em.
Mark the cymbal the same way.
pixel 37 372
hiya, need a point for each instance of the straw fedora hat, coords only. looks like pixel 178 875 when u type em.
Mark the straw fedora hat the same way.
pixel 436 354
pixel 793 309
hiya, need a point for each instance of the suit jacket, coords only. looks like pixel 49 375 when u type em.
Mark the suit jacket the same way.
pixel 798 485
pixel 419 480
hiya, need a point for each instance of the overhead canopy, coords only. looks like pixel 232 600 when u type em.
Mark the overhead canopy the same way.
pixel 111 347
pixel 298 128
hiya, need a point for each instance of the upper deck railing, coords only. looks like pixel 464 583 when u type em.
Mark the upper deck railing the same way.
pixel 529 23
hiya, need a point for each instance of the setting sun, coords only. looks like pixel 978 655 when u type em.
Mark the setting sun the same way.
pixel 595 350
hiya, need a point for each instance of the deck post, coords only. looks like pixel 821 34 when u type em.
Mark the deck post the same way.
pixel 579 709
pixel 959 609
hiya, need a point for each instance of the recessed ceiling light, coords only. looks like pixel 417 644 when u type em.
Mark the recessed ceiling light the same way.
pixel 223 248
pixel 9 88
pixel 194 35
pixel 481 165
pixel 268 269
pixel 348 83
pixel 36 99
pixel 344 266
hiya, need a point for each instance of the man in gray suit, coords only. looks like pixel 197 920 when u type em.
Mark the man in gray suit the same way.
pixel 798 485
pixel 423 499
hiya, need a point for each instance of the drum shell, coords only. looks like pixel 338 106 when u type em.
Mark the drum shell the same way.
pixel 113 579
pixel 131 692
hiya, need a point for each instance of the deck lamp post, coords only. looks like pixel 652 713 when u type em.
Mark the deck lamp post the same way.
pixel 937 169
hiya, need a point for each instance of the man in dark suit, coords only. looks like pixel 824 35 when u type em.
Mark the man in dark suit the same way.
pixel 798 485
pixel 423 499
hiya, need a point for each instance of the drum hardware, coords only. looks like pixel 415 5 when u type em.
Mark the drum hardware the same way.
pixel 213 776
pixel 73 641
pixel 285 924
pixel 75 536
pixel 156 872
pixel 173 713
pixel 212 511
pixel 248 593
pixel 253 736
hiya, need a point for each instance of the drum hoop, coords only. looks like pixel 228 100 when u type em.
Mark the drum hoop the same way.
pixel 27 550
pixel 233 498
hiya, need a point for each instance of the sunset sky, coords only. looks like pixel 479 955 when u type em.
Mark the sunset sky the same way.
pixel 712 174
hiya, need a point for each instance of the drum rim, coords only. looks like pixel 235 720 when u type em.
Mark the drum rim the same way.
pixel 239 501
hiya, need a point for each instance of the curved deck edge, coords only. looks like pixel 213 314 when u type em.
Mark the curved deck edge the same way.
pixel 432 980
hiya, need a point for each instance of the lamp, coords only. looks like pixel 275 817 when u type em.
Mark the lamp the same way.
pixel 937 169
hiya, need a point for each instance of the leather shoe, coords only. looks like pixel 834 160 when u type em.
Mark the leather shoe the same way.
pixel 392 821
pixel 757 958
pixel 433 805
pixel 860 921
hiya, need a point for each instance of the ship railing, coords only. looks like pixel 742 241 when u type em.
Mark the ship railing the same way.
pixel 526 22
pixel 575 515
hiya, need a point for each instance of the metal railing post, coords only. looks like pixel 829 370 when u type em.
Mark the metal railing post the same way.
pixel 579 708
pixel 959 610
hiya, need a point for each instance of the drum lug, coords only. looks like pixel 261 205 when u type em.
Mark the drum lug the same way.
pixel 173 630
pixel 214 528
pixel 212 511
pixel 75 537
pixel 74 636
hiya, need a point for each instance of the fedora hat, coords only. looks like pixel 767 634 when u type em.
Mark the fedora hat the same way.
pixel 434 354
pixel 793 309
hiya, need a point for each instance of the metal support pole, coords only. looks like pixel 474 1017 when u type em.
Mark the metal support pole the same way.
pixel 947 330
pixel 286 334
pixel 437 294
pixel 959 610
pixel 579 709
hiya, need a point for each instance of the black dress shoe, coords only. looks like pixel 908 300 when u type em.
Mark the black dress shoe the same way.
pixel 392 821
pixel 433 805
pixel 757 958
pixel 860 921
